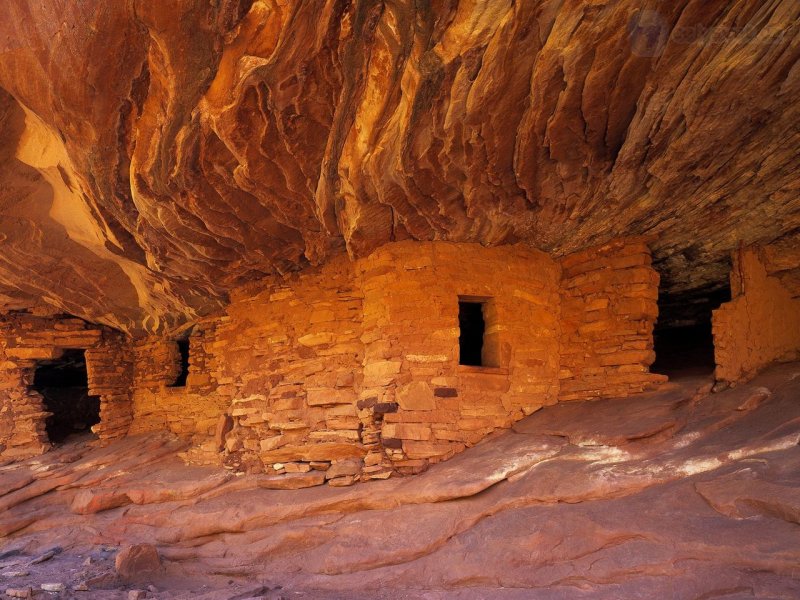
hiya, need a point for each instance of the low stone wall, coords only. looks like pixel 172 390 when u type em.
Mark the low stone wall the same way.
pixel 609 306
pixel 761 324
pixel 26 339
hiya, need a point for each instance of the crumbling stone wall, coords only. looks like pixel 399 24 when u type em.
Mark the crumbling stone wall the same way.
pixel 26 339
pixel 761 324
pixel 191 411
pixel 609 306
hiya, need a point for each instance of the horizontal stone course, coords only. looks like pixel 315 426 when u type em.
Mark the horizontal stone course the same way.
pixel 608 310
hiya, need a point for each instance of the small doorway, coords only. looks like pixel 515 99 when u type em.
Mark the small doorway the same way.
pixel 683 340
pixel 63 384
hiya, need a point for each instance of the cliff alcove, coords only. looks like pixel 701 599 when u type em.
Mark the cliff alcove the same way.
pixel 440 261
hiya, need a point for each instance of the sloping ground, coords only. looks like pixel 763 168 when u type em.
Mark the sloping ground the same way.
pixel 677 494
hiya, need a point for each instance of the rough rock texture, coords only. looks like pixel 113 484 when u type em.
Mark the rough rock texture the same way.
pixel 138 561
pixel 677 494
pixel 158 154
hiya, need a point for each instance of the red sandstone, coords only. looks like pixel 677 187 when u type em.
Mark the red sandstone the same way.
pixel 478 257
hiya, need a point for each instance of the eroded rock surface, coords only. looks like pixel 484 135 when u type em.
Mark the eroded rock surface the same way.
pixel 159 154
pixel 681 494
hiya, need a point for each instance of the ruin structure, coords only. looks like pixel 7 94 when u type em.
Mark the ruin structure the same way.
pixel 374 367
pixel 360 237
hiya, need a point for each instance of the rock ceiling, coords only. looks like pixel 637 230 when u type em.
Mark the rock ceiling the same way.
pixel 158 153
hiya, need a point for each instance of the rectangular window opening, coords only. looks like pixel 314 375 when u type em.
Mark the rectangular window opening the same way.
pixel 472 333
pixel 183 373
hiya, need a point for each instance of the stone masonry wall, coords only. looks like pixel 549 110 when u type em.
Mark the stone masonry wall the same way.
pixel 110 370
pixel 192 411
pixel 418 405
pixel 360 360
pixel 608 310
pixel 352 368
pixel 761 323
pixel 26 339
pixel 290 359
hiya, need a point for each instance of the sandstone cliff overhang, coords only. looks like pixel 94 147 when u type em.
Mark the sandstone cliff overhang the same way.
pixel 158 155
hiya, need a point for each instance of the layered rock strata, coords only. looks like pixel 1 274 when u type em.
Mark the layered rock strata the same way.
pixel 158 155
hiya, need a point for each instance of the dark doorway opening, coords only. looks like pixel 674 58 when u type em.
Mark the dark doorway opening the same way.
pixel 683 339
pixel 183 374
pixel 64 385
pixel 472 328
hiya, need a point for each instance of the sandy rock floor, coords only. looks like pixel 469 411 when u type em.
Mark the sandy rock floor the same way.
pixel 675 494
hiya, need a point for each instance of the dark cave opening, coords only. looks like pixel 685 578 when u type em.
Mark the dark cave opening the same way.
pixel 64 386
pixel 183 366
pixel 683 339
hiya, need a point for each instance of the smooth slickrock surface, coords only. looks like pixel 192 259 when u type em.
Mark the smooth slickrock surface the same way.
pixel 157 154
pixel 675 493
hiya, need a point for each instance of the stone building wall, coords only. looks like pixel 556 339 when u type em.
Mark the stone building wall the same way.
pixel 418 405
pixel 353 367
pixel 192 410
pixel 289 358
pixel 26 339
pixel 22 415
pixel 761 323
pixel 609 306
pixel 781 259
pixel 109 367
pixel 359 360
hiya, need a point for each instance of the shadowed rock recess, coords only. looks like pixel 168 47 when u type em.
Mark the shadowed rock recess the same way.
pixel 400 299
pixel 159 154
